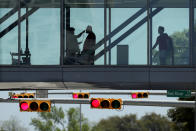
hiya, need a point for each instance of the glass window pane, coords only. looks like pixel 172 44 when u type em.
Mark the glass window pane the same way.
pixel 136 39
pixel 8 36
pixel 170 35
pixel 85 30
pixel 43 33
pixel 44 36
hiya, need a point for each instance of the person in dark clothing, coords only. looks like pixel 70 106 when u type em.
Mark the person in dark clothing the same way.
pixel 72 47
pixel 88 51
pixel 162 41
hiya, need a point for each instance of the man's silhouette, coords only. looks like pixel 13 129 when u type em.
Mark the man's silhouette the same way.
pixel 162 41
pixel 72 47
pixel 88 51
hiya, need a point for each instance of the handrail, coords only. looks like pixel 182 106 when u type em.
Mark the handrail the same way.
pixel 14 24
pixel 123 36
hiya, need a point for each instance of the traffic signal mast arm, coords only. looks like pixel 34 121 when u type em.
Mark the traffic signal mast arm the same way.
pixel 162 103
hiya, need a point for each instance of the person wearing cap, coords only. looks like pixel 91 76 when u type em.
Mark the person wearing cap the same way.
pixel 89 46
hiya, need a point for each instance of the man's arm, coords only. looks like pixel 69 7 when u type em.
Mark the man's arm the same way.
pixel 79 35
pixel 155 45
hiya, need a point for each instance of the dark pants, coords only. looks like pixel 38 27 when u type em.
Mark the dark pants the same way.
pixel 88 55
pixel 166 57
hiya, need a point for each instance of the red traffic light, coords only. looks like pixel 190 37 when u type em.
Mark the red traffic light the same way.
pixel 106 103
pixel 75 96
pixel 139 95
pixel 35 105
pixel 95 103
pixel 15 97
pixel 24 106
pixel 134 95
pixel 80 95
pixel 23 95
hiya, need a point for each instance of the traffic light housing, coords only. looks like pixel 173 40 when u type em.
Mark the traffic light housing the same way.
pixel 80 95
pixel 34 105
pixel 136 95
pixel 103 103
pixel 23 95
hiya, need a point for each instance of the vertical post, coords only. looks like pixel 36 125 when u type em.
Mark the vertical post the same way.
pixel 193 50
pixel 80 116
pixel 27 31
pixel 194 39
pixel 19 32
pixel 109 33
pixel 195 111
pixel 149 40
pixel 62 31
pixel 191 28
pixel 67 17
pixel 67 23
pixel 105 31
pixel 27 52
pixel 148 32
pixel 195 107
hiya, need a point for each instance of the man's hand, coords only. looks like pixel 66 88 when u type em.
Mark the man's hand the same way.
pixel 83 31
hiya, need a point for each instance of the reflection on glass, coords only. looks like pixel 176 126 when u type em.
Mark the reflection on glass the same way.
pixel 44 36
pixel 135 41
pixel 8 35
pixel 85 30
pixel 166 49
pixel 170 37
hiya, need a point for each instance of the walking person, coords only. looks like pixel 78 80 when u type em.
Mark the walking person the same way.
pixel 165 46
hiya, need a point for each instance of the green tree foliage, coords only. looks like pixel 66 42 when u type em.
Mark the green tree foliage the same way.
pixel 183 118
pixel 49 121
pixel 155 122
pixel 116 123
pixel 12 124
pixel 181 48
pixel 59 120
pixel 74 120
pixel 149 122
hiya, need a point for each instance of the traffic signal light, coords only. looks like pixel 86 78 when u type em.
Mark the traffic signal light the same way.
pixel 103 103
pixel 23 95
pixel 80 95
pixel 35 105
pixel 139 95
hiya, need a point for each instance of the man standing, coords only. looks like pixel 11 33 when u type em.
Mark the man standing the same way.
pixel 162 41
pixel 88 51
pixel 72 47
